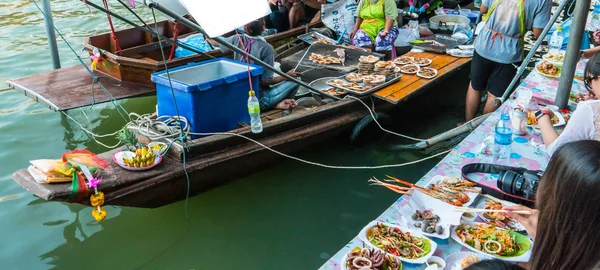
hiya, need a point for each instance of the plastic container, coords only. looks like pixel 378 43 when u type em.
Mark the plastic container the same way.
pixel 212 95
pixel 503 138
pixel 556 41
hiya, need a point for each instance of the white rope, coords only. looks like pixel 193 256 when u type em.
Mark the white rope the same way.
pixel 371 111
pixel 94 135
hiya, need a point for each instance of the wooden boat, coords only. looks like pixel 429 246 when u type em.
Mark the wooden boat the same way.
pixel 140 54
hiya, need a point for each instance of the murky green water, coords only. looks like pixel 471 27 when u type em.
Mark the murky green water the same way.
pixel 292 216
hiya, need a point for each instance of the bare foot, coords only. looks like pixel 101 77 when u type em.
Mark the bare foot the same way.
pixel 286 104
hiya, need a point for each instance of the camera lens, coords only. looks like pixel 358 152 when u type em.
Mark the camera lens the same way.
pixel 510 182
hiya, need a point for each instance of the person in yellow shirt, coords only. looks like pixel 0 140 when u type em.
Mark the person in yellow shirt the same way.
pixel 376 25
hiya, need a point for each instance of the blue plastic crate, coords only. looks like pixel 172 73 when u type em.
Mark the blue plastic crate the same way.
pixel 212 95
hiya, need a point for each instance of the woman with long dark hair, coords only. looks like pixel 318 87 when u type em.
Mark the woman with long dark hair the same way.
pixel 585 123
pixel 566 224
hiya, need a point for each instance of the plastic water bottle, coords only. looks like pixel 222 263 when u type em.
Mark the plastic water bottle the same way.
pixel 254 111
pixel 503 139
pixel 595 21
pixel 556 41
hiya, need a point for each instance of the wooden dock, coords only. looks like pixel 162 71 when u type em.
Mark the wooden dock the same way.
pixel 409 84
pixel 69 88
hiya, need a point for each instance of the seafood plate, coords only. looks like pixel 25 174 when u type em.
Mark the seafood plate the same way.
pixel 369 59
pixel 409 247
pixel 457 185
pixel 404 60
pixel 492 241
pixel 579 97
pixel 499 219
pixel 374 79
pixel 324 60
pixel 410 69
pixel 548 69
pixel 427 73
pixel 369 258
pixel 557 119
pixel 422 62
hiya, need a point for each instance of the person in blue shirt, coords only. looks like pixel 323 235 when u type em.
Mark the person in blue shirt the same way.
pixel 499 47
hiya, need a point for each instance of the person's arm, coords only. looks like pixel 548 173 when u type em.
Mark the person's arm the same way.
pixel 484 8
pixel 530 222
pixel 580 127
pixel 391 14
pixel 356 26
pixel 541 18
pixel 587 54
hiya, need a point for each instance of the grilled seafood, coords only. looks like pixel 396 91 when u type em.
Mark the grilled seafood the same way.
pixel 409 69
pixel 498 219
pixel 427 72
pixel 374 79
pixel 581 97
pixel 324 60
pixel 354 77
pixel 555 57
pixel 458 184
pixel 384 64
pixel 396 242
pixel 531 120
pixel 334 91
pixel 427 221
pixel 370 59
pixel 453 197
pixel 369 258
pixel 548 68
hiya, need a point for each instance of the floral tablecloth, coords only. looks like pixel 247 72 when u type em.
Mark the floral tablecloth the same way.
pixel 525 153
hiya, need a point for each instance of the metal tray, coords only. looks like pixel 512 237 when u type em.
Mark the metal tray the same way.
pixel 373 89
pixel 310 40
pixel 321 85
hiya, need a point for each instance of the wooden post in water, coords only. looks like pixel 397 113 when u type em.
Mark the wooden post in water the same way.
pixel 50 32
pixel 582 8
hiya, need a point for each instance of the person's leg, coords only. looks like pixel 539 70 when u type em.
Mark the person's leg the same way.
pixel 498 83
pixel 279 93
pixel 480 72
pixel 361 39
pixel 316 18
pixel 278 20
pixel 385 44
pixel 296 14
pixel 489 104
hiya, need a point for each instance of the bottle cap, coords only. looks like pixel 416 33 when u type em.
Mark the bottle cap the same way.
pixel 251 93
pixel 559 28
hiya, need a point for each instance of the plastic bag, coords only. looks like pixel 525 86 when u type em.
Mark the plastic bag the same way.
pixel 62 170
pixel 407 34
pixel 487 146
pixel 84 157
pixel 195 41
pixel 566 29
pixel 462 32
pixel 339 17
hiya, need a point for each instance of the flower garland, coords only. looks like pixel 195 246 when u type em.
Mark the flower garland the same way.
pixel 96 199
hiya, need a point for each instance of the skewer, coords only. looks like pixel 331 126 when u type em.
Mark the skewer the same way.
pixel 475 210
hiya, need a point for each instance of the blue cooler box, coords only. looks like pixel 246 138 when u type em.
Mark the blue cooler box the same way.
pixel 212 95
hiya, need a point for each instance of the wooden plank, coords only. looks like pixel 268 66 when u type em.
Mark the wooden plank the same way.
pixel 411 83
pixel 447 70
pixel 406 79
pixel 69 88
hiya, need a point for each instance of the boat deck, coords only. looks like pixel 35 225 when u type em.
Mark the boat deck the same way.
pixel 69 88
pixel 445 64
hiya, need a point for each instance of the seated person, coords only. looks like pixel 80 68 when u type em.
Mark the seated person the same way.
pixel 305 12
pixel 585 122
pixel 275 92
pixel 567 204
pixel 278 19
pixel 376 26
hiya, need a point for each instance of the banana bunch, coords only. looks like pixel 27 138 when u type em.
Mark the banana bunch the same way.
pixel 144 157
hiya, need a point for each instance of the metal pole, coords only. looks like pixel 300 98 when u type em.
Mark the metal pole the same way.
pixel 230 46
pixel 534 48
pixel 572 55
pixel 50 32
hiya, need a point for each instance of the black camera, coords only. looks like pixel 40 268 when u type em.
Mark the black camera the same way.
pixel 523 184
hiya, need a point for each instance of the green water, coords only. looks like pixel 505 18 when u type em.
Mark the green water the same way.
pixel 292 216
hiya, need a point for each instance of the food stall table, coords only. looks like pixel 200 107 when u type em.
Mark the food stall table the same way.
pixel 544 88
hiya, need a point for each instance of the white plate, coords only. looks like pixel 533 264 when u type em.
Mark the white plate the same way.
pixel 428 77
pixel 516 226
pixel 561 121
pixel 398 62
pixel 343 262
pixel 363 237
pixel 523 258
pixel 429 61
pixel 418 68
pixel 408 222
pixel 545 57
pixel 119 156
pixel 544 74
pixel 438 179
pixel 454 260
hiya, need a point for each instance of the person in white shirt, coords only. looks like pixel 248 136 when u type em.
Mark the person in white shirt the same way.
pixel 585 122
